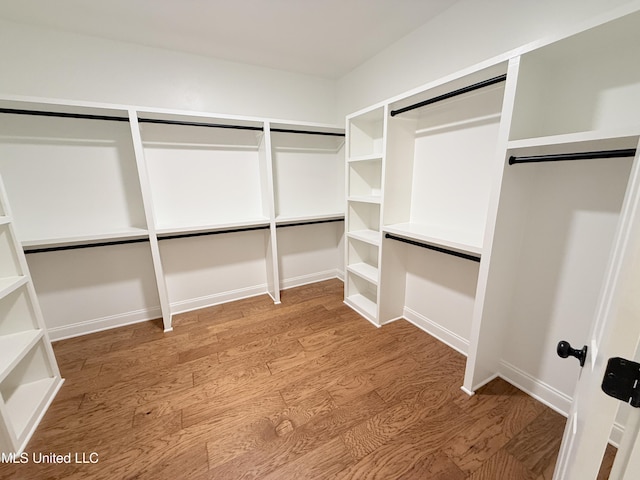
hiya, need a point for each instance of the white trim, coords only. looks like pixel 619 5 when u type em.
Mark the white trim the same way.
pixel 482 383
pixel 446 336
pixel 546 394
pixel 617 431
pixel 105 323
pixel 310 278
pixel 551 397
pixel 391 320
pixel 217 298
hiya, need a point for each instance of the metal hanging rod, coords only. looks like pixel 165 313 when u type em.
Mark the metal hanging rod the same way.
pixel 466 256
pixel 41 113
pixel 629 152
pixel 454 93
pixel 307 132
pixel 214 232
pixel 313 222
pixel 199 124
pixel 29 250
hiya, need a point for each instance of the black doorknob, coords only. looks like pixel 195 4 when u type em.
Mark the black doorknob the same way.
pixel 565 350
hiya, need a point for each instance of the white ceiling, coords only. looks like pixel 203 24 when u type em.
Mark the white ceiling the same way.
pixel 327 38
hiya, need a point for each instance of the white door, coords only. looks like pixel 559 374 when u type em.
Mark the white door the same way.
pixel 616 333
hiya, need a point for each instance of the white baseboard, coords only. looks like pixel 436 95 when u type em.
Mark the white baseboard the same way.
pixel 104 323
pixel 217 298
pixel 541 391
pixel 391 320
pixel 548 395
pixel 446 336
pixel 307 279
pixel 120 320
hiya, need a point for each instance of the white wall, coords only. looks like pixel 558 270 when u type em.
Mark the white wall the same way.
pixel 48 63
pixel 467 33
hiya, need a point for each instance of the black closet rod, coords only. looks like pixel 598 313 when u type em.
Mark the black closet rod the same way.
pixel 311 222
pixel 307 132
pixel 28 250
pixel 41 113
pixel 199 124
pixel 433 247
pixel 455 93
pixel 629 152
pixel 213 232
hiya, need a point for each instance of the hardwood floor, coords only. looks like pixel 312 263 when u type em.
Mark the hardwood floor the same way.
pixel 302 390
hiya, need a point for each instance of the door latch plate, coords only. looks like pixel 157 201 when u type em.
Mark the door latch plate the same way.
pixel 622 381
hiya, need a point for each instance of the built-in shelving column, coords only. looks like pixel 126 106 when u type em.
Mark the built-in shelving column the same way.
pixel 440 157
pixel 308 167
pixel 365 157
pixel 29 375
pixel 211 197
pixel 556 219
pixel 71 177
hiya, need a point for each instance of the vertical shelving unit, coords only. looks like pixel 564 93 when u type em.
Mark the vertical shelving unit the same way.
pixel 440 160
pixel 210 195
pixel 308 176
pixel 561 197
pixel 514 254
pixel 364 178
pixel 29 376
pixel 441 154
pixel 167 211
pixel 71 175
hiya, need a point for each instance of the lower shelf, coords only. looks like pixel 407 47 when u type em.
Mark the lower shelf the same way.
pixel 363 305
pixel 26 403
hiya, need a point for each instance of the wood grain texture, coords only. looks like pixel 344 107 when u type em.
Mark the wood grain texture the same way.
pixel 302 390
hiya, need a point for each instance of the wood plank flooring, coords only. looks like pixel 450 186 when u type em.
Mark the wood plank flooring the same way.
pixel 302 390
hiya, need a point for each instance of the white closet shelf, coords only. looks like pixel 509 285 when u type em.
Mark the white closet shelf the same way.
pixel 14 347
pixel 376 199
pixel 363 305
pixel 576 142
pixel 89 238
pixel 369 236
pixel 4 219
pixel 463 242
pixel 10 284
pixel 248 223
pixel 280 219
pixel 366 271
pixel 365 158
pixel 28 399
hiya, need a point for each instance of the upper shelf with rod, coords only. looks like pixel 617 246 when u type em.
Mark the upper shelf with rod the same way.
pixel 308 172
pixel 575 146
pixel 448 90
pixel 82 185
pixel 585 83
pixel 441 148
